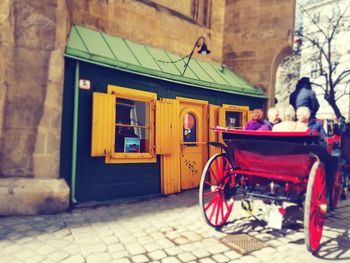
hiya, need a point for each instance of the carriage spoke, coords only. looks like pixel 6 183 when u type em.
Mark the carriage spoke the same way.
pixel 208 183
pixel 217 169
pixel 217 213
pixel 227 166
pixel 210 193
pixel 225 202
pixel 222 167
pixel 211 202
pixel 212 211
pixel 213 174
pixel 222 211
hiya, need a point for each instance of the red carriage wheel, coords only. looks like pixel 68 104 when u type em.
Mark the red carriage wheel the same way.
pixel 215 190
pixel 335 194
pixel 315 207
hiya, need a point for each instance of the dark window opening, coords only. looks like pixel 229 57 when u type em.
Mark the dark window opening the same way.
pixel 190 129
pixel 233 119
pixel 132 127
pixel 201 12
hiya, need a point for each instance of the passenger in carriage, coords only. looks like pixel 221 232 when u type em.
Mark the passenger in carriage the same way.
pixel 257 120
pixel 288 123
pixel 304 116
pixel 330 162
pixel 273 115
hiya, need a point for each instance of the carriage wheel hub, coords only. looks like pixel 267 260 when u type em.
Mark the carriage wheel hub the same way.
pixel 214 188
pixel 323 208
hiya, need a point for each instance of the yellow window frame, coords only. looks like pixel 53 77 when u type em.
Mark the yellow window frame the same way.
pixel 147 97
pixel 244 110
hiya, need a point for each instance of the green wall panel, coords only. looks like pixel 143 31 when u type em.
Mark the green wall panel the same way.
pixel 97 181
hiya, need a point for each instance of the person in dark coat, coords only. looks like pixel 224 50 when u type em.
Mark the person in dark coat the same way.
pixel 303 95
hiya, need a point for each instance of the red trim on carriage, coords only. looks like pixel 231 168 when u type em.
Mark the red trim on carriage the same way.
pixel 266 133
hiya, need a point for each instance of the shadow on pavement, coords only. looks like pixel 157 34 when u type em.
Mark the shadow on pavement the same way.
pixel 335 242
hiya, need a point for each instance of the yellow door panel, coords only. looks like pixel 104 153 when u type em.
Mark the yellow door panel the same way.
pixel 193 134
pixel 103 116
pixel 191 169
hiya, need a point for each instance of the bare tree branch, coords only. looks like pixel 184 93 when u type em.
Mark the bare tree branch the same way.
pixel 315 43
pixel 318 85
pixel 312 20
pixel 344 94
pixel 321 34
pixel 340 18
pixel 342 76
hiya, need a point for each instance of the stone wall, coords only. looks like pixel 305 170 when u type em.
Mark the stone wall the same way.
pixel 258 35
pixel 150 23
pixel 29 127
pixel 6 50
pixel 181 6
pixel 33 38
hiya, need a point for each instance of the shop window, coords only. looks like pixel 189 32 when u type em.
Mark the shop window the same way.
pixel 233 116
pixel 132 126
pixel 190 129
pixel 123 125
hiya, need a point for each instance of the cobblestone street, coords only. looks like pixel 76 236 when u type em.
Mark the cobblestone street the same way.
pixel 163 229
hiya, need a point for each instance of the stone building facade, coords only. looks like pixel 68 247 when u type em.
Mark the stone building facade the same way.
pixel 258 35
pixel 250 38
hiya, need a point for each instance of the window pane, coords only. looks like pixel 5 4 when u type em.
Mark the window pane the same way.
pixel 233 119
pixel 190 128
pixel 132 126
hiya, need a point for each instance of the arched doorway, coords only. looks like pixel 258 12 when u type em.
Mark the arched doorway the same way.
pixel 275 73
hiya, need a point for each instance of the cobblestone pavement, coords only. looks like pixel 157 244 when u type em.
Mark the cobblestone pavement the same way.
pixel 165 229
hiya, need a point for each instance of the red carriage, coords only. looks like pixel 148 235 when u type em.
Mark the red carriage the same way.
pixel 276 167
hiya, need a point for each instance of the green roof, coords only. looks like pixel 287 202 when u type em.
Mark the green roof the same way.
pixel 99 48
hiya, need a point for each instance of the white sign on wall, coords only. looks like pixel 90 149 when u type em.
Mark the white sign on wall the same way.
pixel 84 84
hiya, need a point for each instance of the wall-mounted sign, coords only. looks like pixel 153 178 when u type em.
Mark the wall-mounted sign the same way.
pixel 84 84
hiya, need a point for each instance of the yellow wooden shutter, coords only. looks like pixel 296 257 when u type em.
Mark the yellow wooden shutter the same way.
pixel 103 123
pixel 168 144
pixel 164 117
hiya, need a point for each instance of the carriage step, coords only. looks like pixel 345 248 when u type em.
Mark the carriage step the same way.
pixel 243 243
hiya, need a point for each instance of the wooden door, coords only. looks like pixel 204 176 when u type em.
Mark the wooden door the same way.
pixel 193 119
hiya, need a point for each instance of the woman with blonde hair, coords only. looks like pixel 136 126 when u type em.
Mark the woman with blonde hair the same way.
pixel 273 116
pixel 257 120
pixel 287 115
